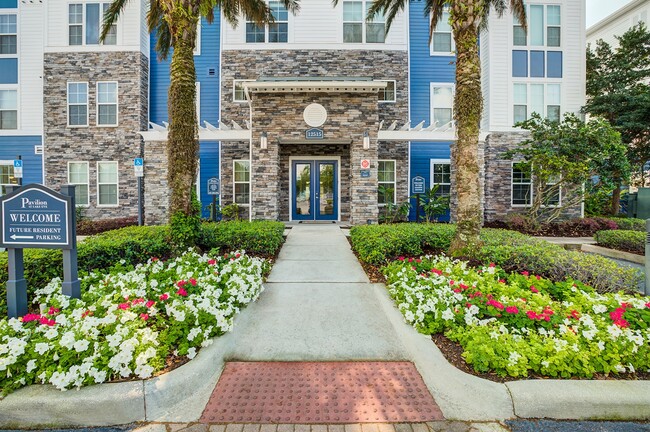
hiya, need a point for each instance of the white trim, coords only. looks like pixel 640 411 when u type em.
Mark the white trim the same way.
pixel 235 182
pixel 117 104
pixel 14 12
pixel 315 158
pixel 67 101
pixel 434 85
pixel 433 162
pixel 78 184
pixel 512 183
pixel 394 90
pixel 266 41
pixel 197 101
pixel 197 42
pixel 394 182
pixel 117 183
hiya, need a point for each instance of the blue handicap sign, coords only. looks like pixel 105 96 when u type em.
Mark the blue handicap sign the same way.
pixel 18 163
pixel 138 162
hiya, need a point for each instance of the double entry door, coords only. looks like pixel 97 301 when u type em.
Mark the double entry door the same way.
pixel 314 185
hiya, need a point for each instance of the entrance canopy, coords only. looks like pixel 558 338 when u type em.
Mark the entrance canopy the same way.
pixel 313 85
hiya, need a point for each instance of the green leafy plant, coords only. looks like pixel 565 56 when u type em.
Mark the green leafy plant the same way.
pixel 230 212
pixel 257 237
pixel 434 204
pixel 629 241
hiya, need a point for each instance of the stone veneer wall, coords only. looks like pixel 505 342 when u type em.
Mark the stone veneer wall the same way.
pixel 96 143
pixel 280 115
pixel 398 151
pixel 156 197
pixel 498 178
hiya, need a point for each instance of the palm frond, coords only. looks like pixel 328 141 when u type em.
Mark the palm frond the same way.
pixel 157 24
pixel 435 8
pixel 518 9
pixel 257 11
pixel 111 16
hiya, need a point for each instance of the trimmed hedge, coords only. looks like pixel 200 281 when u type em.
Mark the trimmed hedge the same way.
pixel 96 226
pixel 257 237
pixel 516 252
pixel 630 224
pixel 625 240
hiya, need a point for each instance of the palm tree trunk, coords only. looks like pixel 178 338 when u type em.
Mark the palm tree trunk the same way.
pixel 465 17
pixel 182 140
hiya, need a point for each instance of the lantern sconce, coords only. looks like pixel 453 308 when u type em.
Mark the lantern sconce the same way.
pixel 264 141
pixel 366 140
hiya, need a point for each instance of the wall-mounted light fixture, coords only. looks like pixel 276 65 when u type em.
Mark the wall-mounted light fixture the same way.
pixel 366 140
pixel 264 141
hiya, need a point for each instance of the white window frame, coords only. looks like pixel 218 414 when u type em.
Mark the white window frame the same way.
pixel 234 90
pixel 87 184
pixel 442 53
pixel 363 22
pixel 10 164
pixel 117 183
pixel 197 42
pixel 14 88
pixel 235 182
pixel 84 4
pixel 512 184
pixel 383 92
pixel 545 26
pixel 394 182
pixel 529 111
pixel 197 102
pixel 267 28
pixel 431 107
pixel 11 55
pixel 433 162
pixel 117 103
pixel 68 104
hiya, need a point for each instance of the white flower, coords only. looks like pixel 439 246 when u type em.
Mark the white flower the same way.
pixel 31 365
pixel 448 315
pixel 514 358
pixel 601 345
pixel 42 347
pixel 81 345
pixel 191 353
pixel 599 308
pixel 67 340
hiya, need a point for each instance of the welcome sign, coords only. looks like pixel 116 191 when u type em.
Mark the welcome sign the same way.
pixel 36 217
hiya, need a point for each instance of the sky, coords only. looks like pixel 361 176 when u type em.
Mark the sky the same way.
pixel 599 9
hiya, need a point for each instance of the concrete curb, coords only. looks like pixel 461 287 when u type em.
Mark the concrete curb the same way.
pixel 613 253
pixel 462 396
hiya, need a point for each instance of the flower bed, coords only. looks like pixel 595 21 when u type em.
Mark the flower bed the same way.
pixel 129 323
pixel 520 324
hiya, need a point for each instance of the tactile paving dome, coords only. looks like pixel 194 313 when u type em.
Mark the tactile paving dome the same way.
pixel 320 392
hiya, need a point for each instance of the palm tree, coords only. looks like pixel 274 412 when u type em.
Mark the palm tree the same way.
pixel 467 18
pixel 175 23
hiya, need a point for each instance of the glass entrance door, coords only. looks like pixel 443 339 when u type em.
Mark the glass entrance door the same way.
pixel 314 186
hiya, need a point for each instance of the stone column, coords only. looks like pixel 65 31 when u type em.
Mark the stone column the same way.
pixel 363 191
pixel 156 189
pixel 265 177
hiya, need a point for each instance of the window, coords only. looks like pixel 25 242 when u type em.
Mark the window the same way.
pixel 8 109
pixel 442 102
pixel 238 93
pixel 543 99
pixel 544 27
pixel 386 179
pixel 85 23
pixel 277 31
pixel 441 176
pixel 78 175
pixel 522 186
pixel 77 104
pixel 388 94
pixel 7 175
pixel 552 192
pixel 107 185
pixel 106 104
pixel 8 34
pixel 242 170
pixel 442 41
pixel 354 21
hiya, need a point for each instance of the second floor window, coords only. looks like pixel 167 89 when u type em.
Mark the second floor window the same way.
pixel 8 34
pixel 277 31
pixel 442 104
pixel 442 41
pixel 8 109
pixel 355 27
pixel 544 27
pixel 77 104
pixel 85 24
pixel 107 104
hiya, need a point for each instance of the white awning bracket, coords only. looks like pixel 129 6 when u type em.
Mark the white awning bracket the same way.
pixel 210 132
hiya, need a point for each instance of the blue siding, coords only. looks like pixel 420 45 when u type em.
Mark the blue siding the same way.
pixel 9 71
pixel 13 146
pixel 204 63
pixel 421 155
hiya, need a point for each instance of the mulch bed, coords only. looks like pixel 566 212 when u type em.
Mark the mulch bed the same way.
pixel 621 249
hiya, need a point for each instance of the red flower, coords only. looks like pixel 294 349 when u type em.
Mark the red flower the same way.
pixel 410 260
pixel 87 313
pixel 525 273
pixel 548 311
pixel 144 316
pixel 531 314
pixel 463 286
pixel 124 306
pixel 164 297
pixel 418 260
pixel 138 301
pixel 53 311
pixel 512 310
pixel 31 317
pixel 181 283
pixel 212 262
pixel 154 259
pixel 492 265
pixel 533 289
pixel 451 282
pixel 502 281
pixel 182 292
pixel 399 258
pixel 647 305
pixel 237 255
pixel 622 323
pixel 574 314
pixel 150 304
pixel 47 322
pixel 456 290
pixel 546 318
pixel 193 282
pixel 495 304
pixel 538 278
pixel 439 273
pixel 626 305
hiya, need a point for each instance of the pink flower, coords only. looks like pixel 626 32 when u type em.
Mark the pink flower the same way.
pixel 193 282
pixel 439 273
pixel 647 305
pixel 237 255
pixel 144 316
pixel 164 297
pixel 548 311
pixel 400 258
pixel 512 310
pixel 182 292
pixel 212 262
pixel 53 311
pixel 533 289
pixel 451 282
pixel 622 323
pixel 138 301
pixel 574 314
pixel 538 278
pixel 418 260
pixel 502 281
pixel 495 304
pixel 150 304
pixel 463 286
pixel 181 283
pixel 123 306
pixel 87 313
pixel 47 322
pixel 456 290
pixel 531 314
pixel 492 265
pixel 525 273
pixel 410 260
pixel 31 317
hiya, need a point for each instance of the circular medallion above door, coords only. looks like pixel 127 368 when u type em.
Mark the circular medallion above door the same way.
pixel 315 115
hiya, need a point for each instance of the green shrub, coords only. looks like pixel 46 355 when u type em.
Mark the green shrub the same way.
pixel 132 244
pixel 257 237
pixel 516 252
pixel 626 240
pixel 629 223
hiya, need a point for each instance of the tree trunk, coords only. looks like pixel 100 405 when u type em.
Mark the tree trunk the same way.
pixel 616 200
pixel 183 137
pixel 468 104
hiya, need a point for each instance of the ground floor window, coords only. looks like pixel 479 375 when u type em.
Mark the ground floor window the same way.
pixel 552 192
pixel 441 176
pixel 242 171
pixel 522 185
pixel 386 177
pixel 107 184
pixel 78 176
pixel 7 175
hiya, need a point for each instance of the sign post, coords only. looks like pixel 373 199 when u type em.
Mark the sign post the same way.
pixel 213 190
pixel 417 187
pixel 138 166
pixel 34 216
